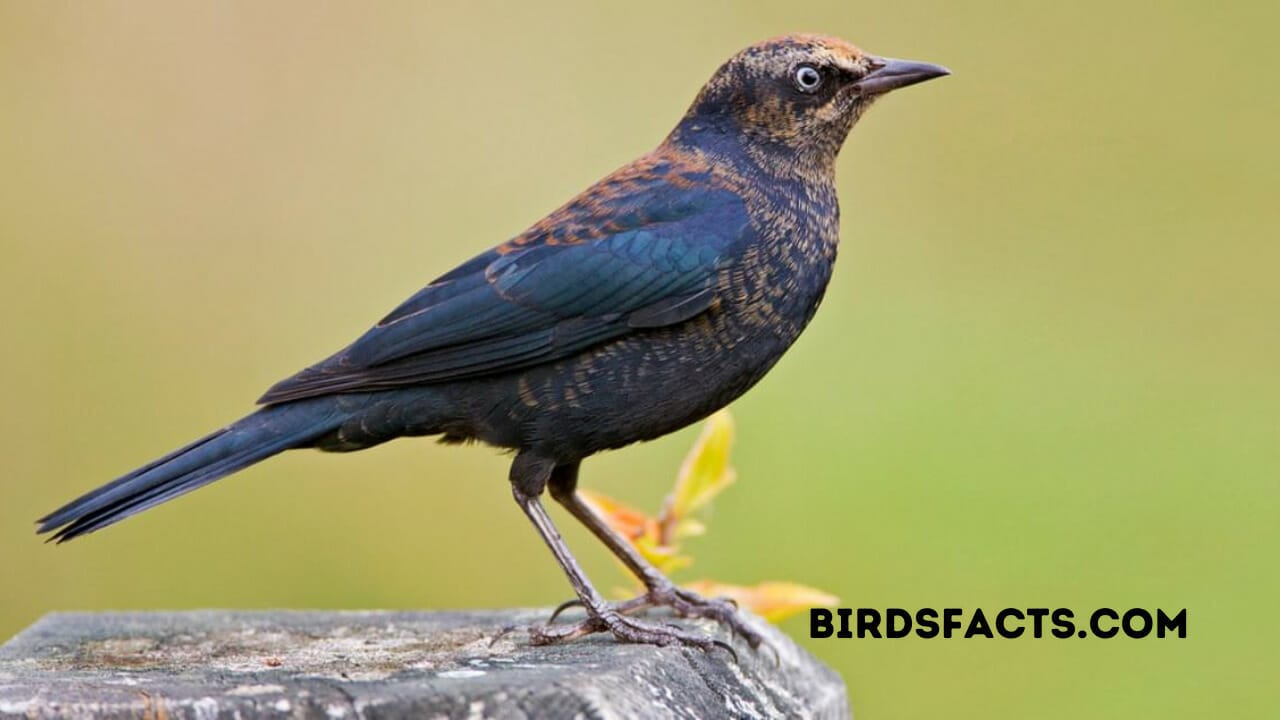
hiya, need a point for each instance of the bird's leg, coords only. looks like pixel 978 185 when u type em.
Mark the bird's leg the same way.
pixel 660 591
pixel 529 476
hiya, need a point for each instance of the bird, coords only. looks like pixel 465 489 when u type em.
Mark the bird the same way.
pixel 657 296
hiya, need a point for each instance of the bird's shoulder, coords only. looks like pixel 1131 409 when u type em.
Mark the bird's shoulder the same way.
pixel 669 213
pixel 661 187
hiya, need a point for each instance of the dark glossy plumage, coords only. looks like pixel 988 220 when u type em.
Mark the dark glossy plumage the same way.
pixel 642 249
pixel 652 299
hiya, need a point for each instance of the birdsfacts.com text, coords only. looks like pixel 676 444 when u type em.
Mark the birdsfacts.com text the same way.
pixel 1007 623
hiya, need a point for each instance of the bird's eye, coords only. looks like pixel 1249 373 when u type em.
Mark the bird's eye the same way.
pixel 808 78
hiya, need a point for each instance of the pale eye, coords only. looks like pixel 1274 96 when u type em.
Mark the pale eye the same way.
pixel 808 78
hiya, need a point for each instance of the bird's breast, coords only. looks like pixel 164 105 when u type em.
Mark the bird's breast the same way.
pixel 776 284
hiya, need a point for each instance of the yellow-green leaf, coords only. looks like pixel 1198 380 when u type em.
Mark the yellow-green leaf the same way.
pixel 773 601
pixel 688 527
pixel 664 557
pixel 706 470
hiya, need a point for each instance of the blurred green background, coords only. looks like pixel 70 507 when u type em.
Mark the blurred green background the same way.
pixel 1045 373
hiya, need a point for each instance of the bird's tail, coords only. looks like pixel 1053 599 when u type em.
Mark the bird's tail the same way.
pixel 257 437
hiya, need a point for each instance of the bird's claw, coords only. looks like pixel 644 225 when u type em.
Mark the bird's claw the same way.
pixel 626 629
pixel 626 607
pixel 687 603
pixel 504 631
pixel 564 606
pixel 684 603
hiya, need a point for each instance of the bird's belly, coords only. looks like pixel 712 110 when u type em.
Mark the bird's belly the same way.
pixel 649 384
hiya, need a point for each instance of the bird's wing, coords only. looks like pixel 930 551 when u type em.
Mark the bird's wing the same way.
pixel 636 251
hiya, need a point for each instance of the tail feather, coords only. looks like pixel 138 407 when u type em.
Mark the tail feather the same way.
pixel 257 437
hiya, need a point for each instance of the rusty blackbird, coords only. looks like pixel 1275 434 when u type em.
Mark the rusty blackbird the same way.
pixel 660 294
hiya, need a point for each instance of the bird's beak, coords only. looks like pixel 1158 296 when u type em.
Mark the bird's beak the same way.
pixel 890 74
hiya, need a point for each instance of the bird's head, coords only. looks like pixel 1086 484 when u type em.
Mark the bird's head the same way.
pixel 794 98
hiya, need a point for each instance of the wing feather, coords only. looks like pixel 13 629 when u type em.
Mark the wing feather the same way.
pixel 543 296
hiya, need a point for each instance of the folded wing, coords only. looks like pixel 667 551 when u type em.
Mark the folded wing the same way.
pixel 646 254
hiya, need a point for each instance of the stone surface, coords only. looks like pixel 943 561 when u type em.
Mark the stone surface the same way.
pixel 223 664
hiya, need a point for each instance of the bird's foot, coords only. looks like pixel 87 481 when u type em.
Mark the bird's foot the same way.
pixel 611 619
pixel 687 603
pixel 684 603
